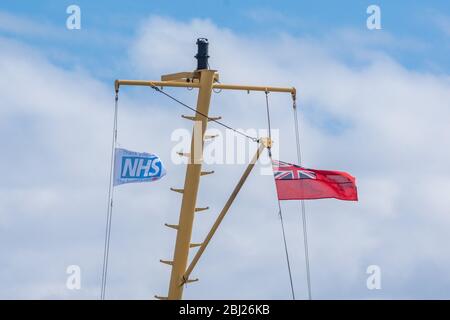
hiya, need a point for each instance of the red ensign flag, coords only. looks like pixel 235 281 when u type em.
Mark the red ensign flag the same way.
pixel 297 183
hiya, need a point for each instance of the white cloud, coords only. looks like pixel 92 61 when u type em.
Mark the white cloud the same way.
pixel 393 136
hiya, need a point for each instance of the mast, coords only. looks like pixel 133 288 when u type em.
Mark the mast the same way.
pixel 193 172
pixel 205 80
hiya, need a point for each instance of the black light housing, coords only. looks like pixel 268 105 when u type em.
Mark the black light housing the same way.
pixel 202 54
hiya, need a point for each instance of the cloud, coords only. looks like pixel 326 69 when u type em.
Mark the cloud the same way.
pixel 382 122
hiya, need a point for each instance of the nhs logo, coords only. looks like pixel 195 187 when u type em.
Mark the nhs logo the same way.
pixel 133 166
pixel 140 167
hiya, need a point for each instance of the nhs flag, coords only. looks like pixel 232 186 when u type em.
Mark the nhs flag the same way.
pixel 130 166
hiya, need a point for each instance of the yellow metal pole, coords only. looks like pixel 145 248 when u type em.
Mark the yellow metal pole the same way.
pixel 147 83
pixel 193 171
pixel 198 84
pixel 265 143
pixel 252 88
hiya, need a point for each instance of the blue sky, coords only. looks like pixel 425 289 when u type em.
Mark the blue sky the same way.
pixel 413 21
pixel 372 103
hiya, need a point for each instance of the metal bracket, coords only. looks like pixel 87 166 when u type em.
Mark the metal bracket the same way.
pixel 184 154
pixel 210 136
pixel 177 190
pixel 166 262
pixel 199 118
pixel 172 226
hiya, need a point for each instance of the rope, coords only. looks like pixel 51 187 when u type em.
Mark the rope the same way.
pixel 110 202
pixel 302 202
pixel 286 250
pixel 279 204
pixel 204 115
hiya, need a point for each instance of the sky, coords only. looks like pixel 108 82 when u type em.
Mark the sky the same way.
pixel 374 103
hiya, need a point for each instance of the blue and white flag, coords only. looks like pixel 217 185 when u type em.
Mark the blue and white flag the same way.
pixel 130 166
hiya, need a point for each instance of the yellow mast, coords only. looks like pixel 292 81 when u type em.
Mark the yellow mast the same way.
pixel 205 81
pixel 191 183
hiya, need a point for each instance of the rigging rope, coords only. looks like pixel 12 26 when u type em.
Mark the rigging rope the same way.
pixel 302 202
pixel 110 201
pixel 279 204
pixel 204 115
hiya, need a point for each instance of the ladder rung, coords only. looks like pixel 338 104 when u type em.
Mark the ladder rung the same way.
pixel 199 118
pixel 193 245
pixel 189 117
pixel 201 209
pixel 173 226
pixel 210 136
pixel 184 154
pixel 166 262
pixel 161 298
pixel 205 173
pixel 177 190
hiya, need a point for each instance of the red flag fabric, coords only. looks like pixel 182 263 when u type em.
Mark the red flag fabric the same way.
pixel 297 183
